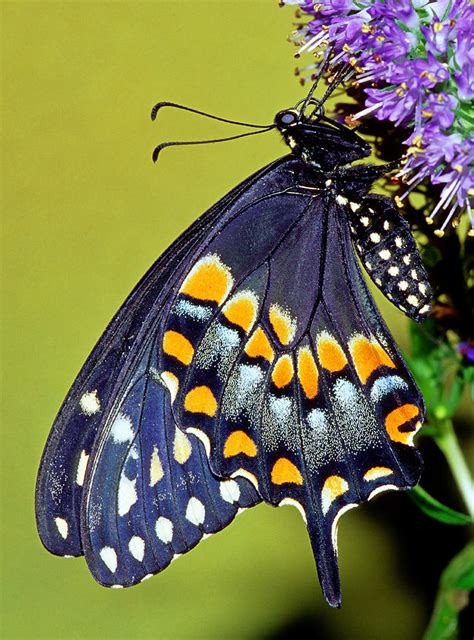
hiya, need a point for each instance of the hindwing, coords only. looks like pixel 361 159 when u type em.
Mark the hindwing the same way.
pixel 281 364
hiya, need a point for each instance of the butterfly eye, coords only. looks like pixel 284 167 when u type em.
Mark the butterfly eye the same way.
pixel 287 118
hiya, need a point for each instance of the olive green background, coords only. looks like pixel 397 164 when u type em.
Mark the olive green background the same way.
pixel 85 212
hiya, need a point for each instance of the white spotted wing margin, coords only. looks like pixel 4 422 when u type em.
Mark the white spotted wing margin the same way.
pixel 149 495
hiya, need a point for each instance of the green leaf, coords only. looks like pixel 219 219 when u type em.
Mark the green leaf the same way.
pixel 436 509
pixel 453 596
pixel 422 340
pixel 455 393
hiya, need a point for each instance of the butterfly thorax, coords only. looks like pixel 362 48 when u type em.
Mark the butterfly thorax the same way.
pixel 320 142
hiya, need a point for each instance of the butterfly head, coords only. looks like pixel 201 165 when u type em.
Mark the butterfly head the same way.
pixel 321 142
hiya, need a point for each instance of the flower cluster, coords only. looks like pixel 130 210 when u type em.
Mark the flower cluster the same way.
pixel 415 61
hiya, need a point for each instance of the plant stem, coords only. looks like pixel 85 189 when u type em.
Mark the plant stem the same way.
pixel 449 445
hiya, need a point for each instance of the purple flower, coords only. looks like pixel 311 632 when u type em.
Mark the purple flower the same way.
pixel 466 349
pixel 415 61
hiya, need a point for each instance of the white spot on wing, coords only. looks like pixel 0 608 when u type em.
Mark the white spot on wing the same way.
pixel 243 473
pixel 202 437
pixel 136 546
pixel 164 529
pixel 109 558
pixel 384 386
pixel 81 468
pixel 90 403
pixel 385 254
pixel 191 310
pixel 122 429
pixel 156 468
pixel 229 490
pixel 147 577
pixel 62 527
pixel 382 489
pixel 127 494
pixel 181 447
pixel 341 199
pixel 195 511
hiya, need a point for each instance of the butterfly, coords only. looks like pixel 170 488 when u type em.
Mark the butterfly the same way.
pixel 249 364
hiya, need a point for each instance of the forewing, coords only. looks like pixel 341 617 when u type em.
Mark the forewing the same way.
pixel 389 253
pixel 103 380
pixel 281 364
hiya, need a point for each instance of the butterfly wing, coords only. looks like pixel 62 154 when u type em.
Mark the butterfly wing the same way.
pixel 103 379
pixel 280 363
pixel 149 494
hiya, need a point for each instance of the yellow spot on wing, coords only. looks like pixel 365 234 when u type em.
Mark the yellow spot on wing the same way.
pixel 282 374
pixel 397 418
pixel 156 468
pixel 200 400
pixel 178 346
pixel 368 356
pixel 259 346
pixel 377 472
pixel 333 487
pixel 239 442
pixel 242 310
pixel 284 471
pixel 282 323
pixel 181 447
pixel 172 383
pixel 330 354
pixel 209 279
pixel 307 372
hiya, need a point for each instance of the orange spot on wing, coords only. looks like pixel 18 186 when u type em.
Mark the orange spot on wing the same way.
pixel 397 418
pixel 377 472
pixel 242 310
pixel 333 487
pixel 178 346
pixel 330 354
pixel 282 374
pixel 368 356
pixel 200 400
pixel 259 346
pixel 285 471
pixel 209 279
pixel 307 372
pixel 239 442
pixel 282 323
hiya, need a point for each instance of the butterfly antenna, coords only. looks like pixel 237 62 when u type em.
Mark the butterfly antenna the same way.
pixel 161 105
pixel 322 70
pixel 340 76
pixel 164 145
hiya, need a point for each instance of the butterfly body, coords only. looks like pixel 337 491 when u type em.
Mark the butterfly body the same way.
pixel 249 364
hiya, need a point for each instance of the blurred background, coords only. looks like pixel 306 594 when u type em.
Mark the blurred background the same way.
pixel 85 213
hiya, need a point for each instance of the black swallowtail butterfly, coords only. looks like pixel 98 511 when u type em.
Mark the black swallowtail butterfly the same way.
pixel 250 363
